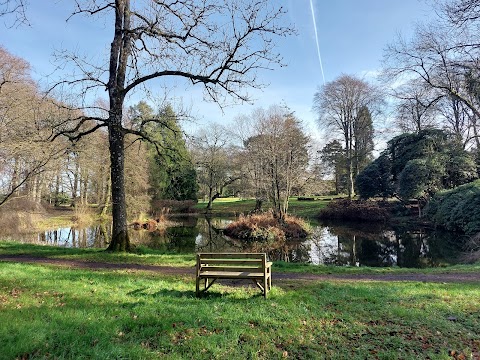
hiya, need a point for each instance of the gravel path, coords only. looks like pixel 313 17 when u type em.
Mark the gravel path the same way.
pixel 279 277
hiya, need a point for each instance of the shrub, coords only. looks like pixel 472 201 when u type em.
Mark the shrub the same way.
pixel 457 209
pixel 375 179
pixel 266 228
pixel 357 210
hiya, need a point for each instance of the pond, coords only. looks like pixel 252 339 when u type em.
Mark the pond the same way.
pixel 330 243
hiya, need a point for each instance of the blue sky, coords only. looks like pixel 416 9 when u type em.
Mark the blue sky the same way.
pixel 351 33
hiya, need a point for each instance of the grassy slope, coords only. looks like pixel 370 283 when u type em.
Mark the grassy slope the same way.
pixel 80 314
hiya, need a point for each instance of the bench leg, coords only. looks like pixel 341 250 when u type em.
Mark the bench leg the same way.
pixel 197 287
pixel 265 287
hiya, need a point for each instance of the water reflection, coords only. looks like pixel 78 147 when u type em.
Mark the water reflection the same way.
pixel 330 243
pixel 358 245
pixel 95 236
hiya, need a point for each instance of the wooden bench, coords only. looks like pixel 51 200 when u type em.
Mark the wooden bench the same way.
pixel 253 266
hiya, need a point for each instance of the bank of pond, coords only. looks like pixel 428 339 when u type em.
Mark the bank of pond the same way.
pixel 329 243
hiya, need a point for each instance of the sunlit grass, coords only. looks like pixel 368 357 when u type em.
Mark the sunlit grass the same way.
pixel 235 206
pixel 50 313
pixel 142 255
pixel 65 220
pixel 225 200
pixel 146 256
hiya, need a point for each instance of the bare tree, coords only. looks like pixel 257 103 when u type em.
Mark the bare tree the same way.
pixel 24 116
pixel 17 9
pixel 213 156
pixel 459 12
pixel 219 44
pixel 277 153
pixel 416 106
pixel 445 59
pixel 340 104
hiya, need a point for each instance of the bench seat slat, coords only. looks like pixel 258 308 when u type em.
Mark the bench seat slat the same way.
pixel 231 275
pixel 229 255
pixel 231 269
pixel 232 261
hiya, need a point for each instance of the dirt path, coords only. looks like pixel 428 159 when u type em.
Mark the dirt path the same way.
pixel 470 277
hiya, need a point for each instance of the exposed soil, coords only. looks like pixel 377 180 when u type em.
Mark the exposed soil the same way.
pixel 277 277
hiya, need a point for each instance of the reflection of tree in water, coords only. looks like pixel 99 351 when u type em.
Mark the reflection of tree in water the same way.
pixel 292 251
pixel 212 238
pixel 94 236
pixel 426 248
pixel 180 239
pixel 289 251
pixel 369 247
pixel 377 246
pixel 330 244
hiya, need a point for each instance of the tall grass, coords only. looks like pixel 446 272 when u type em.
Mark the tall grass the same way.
pixel 83 215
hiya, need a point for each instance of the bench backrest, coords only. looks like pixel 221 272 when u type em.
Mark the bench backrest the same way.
pixel 253 262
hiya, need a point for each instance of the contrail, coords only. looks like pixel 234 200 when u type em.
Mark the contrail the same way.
pixel 316 39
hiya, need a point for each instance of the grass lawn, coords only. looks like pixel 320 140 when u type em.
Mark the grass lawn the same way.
pixel 146 256
pixel 47 312
pixel 306 209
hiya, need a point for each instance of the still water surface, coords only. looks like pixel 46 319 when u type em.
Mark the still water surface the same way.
pixel 331 243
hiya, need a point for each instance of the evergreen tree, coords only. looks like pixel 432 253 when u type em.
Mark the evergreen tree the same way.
pixel 363 146
pixel 333 155
pixel 376 179
pixel 172 174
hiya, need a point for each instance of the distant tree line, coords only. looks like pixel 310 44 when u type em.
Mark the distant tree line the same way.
pixel 268 156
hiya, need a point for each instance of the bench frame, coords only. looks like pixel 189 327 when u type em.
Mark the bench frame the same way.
pixel 250 266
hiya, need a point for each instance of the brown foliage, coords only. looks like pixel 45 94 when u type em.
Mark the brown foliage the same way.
pixel 23 204
pixel 267 228
pixel 19 215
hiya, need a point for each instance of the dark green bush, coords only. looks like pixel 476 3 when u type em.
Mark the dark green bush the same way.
pixel 457 209
pixel 376 179
pixel 355 210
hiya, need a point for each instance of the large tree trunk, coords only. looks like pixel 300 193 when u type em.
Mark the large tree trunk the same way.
pixel 210 191
pixel 120 240
pixel 119 53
